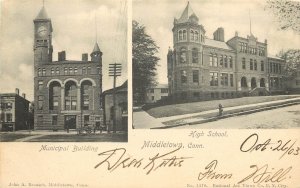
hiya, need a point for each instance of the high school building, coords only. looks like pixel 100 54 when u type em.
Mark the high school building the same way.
pixel 200 68
pixel 66 92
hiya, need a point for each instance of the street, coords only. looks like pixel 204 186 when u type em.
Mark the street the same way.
pixel 282 118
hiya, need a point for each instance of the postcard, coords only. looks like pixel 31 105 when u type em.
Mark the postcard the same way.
pixel 149 93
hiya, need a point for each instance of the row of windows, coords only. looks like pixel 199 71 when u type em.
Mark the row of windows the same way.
pixel 7 105
pixel 67 71
pixel 7 117
pixel 162 90
pixel 194 36
pixel 224 61
pixel 86 119
pixel 246 49
pixel 183 76
pixel 183 55
pixel 275 67
pixel 253 64
pixel 226 79
pixel 213 95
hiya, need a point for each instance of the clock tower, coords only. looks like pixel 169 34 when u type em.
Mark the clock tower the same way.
pixel 43 48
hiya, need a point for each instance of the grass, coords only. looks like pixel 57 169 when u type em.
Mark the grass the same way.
pixel 10 137
pixel 82 138
pixel 194 107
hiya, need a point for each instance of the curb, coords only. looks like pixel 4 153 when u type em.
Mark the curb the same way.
pixel 242 112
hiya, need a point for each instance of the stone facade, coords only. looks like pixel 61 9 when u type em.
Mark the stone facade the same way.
pixel 14 112
pixel 66 92
pixel 200 68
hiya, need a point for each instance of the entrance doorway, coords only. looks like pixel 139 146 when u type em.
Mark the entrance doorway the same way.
pixel 70 122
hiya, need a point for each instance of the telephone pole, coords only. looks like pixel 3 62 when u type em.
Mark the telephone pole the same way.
pixel 114 71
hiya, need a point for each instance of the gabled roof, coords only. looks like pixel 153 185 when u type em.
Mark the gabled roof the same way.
pixel 119 89
pixel 187 13
pixel 216 44
pixel 42 14
pixel 96 48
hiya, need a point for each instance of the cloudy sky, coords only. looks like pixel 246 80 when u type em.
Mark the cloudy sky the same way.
pixel 73 23
pixel 232 15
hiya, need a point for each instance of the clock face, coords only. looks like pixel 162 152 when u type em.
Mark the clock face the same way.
pixel 42 31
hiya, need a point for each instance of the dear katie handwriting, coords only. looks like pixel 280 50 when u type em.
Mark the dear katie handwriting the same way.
pixel 115 158
pixel 252 143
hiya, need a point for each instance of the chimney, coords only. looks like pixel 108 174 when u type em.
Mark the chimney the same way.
pixel 24 95
pixel 62 56
pixel 85 57
pixel 219 34
pixel 17 91
pixel 236 34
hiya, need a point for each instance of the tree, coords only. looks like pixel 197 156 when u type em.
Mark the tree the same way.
pixel 286 12
pixel 144 62
pixel 292 58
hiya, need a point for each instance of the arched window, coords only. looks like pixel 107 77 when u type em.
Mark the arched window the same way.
pixel 196 36
pixel 86 95
pixel 54 95
pixel 70 95
pixel 183 55
pixel 52 71
pixel 180 35
pixel 244 82
pixel 83 70
pixel 195 55
pixel 184 34
pixel 39 72
pixel 253 83
pixel 57 70
pixel 192 35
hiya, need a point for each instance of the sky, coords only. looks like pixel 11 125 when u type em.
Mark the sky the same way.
pixel 233 15
pixel 74 30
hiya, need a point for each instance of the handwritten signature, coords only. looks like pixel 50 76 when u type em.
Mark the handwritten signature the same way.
pixel 115 159
pixel 251 144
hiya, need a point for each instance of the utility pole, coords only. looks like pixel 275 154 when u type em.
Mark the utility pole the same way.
pixel 114 71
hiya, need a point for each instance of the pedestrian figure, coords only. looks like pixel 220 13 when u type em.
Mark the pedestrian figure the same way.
pixel 220 109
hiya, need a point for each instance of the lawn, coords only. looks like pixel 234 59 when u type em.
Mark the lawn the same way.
pixel 10 137
pixel 119 137
pixel 194 107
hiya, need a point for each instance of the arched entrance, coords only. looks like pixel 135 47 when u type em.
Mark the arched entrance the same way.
pixel 253 83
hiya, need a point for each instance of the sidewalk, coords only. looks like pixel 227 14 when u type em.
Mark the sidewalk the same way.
pixel 207 116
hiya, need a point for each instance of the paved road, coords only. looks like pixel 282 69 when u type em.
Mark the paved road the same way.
pixel 287 117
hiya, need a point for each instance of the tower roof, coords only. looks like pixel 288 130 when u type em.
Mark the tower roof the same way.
pixel 96 48
pixel 42 14
pixel 187 13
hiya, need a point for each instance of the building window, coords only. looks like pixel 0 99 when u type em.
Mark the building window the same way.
pixel 152 98
pixel 196 36
pixel 243 82
pixel 262 66
pixel 57 70
pixel 271 66
pixel 86 120
pixel 75 70
pixel 231 80
pixel 195 55
pixel 70 96
pixel 43 72
pixel 40 102
pixel 164 90
pixel 279 67
pixel 224 79
pixel 39 72
pixel 192 35
pixel 8 117
pixel 196 76
pixel 215 60
pixel 255 65
pixel 221 60
pixel 230 62
pixel 99 70
pixel 71 70
pixel 83 70
pixel 183 77
pixel 86 94
pixel 184 34
pixel 225 62
pixel 214 79
pixel 182 55
pixel 244 63
pixel 40 85
pixel 251 64
pixel 66 70
pixel 54 95
pixel 54 120
pixel 89 70
pixel 180 35
pixel 211 60
pixel 52 71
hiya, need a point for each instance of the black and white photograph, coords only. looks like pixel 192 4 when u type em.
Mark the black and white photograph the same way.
pixel 63 71
pixel 216 64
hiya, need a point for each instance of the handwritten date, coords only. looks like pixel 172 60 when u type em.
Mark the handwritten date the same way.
pixel 252 144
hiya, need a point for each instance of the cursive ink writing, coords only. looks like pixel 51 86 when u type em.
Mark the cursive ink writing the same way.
pixel 211 174
pixel 251 144
pixel 115 159
pixel 264 175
